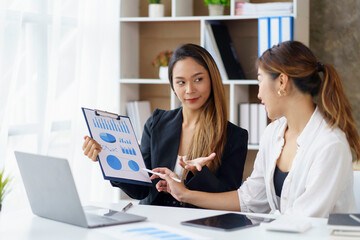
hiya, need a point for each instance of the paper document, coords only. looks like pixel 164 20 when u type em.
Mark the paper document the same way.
pixel 120 158
pixel 149 230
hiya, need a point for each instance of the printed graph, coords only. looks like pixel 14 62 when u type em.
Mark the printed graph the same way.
pixel 107 137
pixel 133 165
pixel 114 162
pixel 155 233
pixel 110 149
pixel 126 141
pixel 110 124
pixel 120 156
pixel 128 150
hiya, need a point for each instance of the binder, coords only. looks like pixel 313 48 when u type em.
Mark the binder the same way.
pixel 138 112
pixel 274 31
pixel 263 35
pixel 254 124
pixel 227 50
pixel 244 116
pixel 262 120
pixel 210 45
pixel 286 29
pixel 120 158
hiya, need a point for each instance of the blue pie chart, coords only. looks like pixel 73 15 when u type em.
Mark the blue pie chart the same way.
pixel 133 165
pixel 113 162
pixel 107 137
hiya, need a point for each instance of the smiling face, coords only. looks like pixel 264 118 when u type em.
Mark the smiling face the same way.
pixel 191 83
pixel 268 95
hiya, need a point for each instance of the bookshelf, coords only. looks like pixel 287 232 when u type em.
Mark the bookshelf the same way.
pixel 142 38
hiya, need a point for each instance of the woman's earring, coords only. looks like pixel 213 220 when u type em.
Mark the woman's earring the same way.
pixel 281 93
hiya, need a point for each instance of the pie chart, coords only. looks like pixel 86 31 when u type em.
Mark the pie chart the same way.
pixel 107 137
pixel 133 165
pixel 113 162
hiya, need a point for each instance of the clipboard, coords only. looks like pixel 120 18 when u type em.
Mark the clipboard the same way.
pixel 120 158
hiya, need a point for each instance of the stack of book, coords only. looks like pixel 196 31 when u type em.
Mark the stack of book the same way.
pixel 245 8
pixel 138 112
pixel 344 225
pixel 253 117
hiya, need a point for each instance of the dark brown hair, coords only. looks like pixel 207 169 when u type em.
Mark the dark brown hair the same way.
pixel 298 62
pixel 210 133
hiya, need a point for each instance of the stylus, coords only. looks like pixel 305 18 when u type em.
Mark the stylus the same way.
pixel 127 207
pixel 159 174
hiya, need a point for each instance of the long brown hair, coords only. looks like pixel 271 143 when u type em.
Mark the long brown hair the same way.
pixel 298 62
pixel 210 133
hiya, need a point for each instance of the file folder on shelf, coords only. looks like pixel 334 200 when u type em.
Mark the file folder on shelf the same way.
pixel 274 31
pixel 226 49
pixel 263 35
pixel 286 29
pixel 210 45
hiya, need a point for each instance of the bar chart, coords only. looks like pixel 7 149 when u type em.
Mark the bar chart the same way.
pixel 110 124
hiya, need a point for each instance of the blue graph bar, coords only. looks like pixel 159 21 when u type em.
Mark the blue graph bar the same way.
pixel 125 127
pixel 97 122
pixel 128 131
pixel 112 126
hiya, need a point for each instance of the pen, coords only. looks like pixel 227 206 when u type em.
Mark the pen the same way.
pixel 127 207
pixel 159 174
pixel 354 217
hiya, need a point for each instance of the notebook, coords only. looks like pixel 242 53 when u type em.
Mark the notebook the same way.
pixel 52 194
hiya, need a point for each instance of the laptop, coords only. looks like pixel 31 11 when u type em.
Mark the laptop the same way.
pixel 52 194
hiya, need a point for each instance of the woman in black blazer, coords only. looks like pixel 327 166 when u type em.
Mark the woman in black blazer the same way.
pixel 198 128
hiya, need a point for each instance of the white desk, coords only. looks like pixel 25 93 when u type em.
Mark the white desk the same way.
pixel 22 224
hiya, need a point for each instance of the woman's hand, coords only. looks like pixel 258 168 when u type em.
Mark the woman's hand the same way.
pixel 177 190
pixel 91 148
pixel 196 164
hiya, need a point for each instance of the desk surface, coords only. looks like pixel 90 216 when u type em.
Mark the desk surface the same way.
pixel 22 224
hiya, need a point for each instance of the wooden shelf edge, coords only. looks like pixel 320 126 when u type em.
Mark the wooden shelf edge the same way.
pixel 241 82
pixel 199 18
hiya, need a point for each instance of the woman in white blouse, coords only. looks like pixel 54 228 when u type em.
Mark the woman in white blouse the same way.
pixel 304 163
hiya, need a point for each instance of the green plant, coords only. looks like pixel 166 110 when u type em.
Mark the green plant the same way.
pixel 4 185
pixel 222 2
pixel 162 59
pixel 154 1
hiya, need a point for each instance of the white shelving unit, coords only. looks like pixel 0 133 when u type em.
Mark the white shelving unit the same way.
pixel 142 38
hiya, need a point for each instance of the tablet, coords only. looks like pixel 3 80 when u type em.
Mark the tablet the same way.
pixel 226 222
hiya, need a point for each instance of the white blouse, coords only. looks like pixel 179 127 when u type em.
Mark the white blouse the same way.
pixel 319 182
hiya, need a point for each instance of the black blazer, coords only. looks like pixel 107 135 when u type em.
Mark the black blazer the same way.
pixel 160 145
